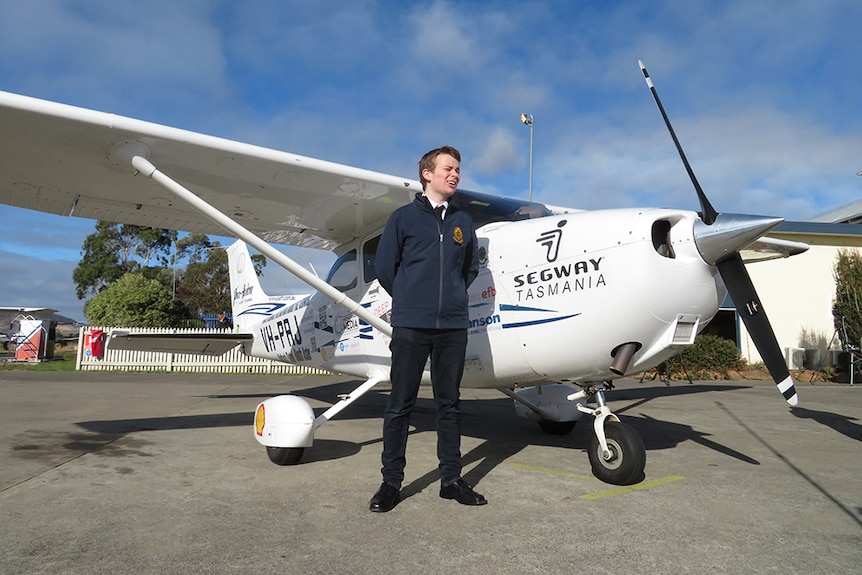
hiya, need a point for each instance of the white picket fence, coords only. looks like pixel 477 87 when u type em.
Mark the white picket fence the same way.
pixel 234 361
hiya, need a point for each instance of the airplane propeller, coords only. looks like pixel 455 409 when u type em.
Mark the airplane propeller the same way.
pixel 732 269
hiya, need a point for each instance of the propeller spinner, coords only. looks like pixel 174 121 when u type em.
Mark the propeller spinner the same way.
pixel 732 269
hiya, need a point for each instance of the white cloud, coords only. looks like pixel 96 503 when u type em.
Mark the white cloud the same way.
pixel 500 153
pixel 139 58
pixel 34 282
pixel 443 42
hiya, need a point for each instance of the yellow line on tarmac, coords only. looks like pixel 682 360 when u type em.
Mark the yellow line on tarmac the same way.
pixel 631 488
pixel 607 492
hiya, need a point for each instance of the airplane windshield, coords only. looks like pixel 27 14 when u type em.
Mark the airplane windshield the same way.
pixel 343 274
pixel 484 208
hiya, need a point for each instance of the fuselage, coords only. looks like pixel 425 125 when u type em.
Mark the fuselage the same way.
pixel 554 299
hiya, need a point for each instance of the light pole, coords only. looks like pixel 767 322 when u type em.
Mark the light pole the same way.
pixel 174 267
pixel 528 120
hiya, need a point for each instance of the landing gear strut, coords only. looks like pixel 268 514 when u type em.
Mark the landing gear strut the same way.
pixel 617 454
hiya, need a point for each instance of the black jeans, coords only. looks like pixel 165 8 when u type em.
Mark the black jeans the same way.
pixel 410 350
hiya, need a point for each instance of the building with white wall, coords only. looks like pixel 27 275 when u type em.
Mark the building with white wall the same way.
pixel 797 292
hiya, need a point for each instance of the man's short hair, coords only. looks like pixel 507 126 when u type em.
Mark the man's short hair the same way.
pixel 429 160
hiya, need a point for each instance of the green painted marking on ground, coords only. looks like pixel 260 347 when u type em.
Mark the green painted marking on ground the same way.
pixel 631 488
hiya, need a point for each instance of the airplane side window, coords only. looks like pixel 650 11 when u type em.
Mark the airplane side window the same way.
pixel 342 276
pixel 369 255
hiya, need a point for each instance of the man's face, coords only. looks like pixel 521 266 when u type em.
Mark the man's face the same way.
pixel 443 180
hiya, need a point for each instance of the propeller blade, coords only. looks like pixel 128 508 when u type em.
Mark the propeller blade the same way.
pixel 744 297
pixel 719 246
pixel 708 213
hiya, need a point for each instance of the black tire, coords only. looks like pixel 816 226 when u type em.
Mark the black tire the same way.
pixel 557 427
pixel 285 455
pixel 628 455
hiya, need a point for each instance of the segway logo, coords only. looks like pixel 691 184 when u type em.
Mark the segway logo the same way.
pixel 551 240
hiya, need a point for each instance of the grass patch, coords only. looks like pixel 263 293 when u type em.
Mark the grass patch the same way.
pixel 63 361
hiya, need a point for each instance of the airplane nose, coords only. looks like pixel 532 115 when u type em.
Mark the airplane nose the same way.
pixel 729 234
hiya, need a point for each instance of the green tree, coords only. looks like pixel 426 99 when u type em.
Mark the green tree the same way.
pixel 847 306
pixel 195 246
pixel 204 286
pixel 114 250
pixel 134 301
pixel 151 244
pixel 100 261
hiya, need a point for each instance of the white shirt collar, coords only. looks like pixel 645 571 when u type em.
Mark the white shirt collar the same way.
pixel 434 205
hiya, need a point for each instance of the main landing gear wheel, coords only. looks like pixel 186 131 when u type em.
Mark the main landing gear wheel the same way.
pixel 285 455
pixel 557 427
pixel 628 455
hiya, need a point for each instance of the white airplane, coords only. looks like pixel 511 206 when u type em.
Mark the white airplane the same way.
pixel 566 300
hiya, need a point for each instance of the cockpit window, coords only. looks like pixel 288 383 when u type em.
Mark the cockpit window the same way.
pixel 343 274
pixel 369 255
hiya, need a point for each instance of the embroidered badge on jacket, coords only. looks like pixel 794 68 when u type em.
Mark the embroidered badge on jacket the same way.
pixel 458 236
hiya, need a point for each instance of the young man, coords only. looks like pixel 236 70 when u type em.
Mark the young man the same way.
pixel 426 260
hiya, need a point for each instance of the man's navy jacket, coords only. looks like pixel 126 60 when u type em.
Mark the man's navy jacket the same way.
pixel 427 265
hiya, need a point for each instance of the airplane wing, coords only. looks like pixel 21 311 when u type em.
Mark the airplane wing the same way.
pixel 820 233
pixel 197 343
pixel 767 248
pixel 57 158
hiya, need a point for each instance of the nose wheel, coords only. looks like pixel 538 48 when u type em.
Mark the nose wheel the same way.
pixel 624 461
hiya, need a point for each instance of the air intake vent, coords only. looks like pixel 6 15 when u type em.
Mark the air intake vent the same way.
pixel 661 239
pixel 685 331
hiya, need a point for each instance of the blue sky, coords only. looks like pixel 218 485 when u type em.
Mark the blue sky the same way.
pixel 764 96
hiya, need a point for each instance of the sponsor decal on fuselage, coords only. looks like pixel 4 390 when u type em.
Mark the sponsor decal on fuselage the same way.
pixel 551 240
pixel 559 279
pixel 485 321
pixel 489 292
pixel 265 309
pixel 243 292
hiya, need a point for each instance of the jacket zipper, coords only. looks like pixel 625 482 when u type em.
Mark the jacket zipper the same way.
pixel 440 284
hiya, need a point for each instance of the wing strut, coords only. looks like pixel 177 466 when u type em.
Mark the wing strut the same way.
pixel 136 153
pixel 345 400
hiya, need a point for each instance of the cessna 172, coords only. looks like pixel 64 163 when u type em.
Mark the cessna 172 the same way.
pixel 566 300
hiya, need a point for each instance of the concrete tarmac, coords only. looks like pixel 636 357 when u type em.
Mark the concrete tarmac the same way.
pixel 159 473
